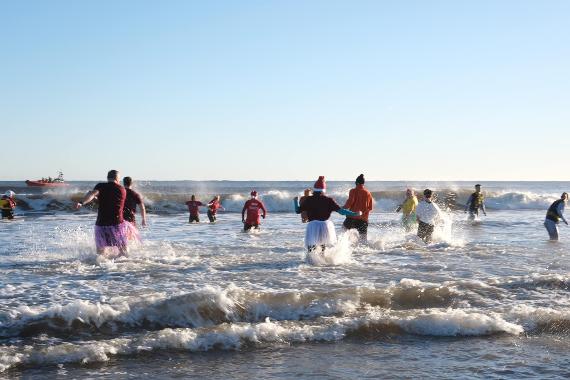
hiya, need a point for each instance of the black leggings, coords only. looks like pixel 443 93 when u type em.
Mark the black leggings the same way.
pixel 7 214
pixel 360 225
pixel 247 226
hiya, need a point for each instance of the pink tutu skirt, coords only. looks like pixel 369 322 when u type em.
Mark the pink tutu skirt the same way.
pixel 115 236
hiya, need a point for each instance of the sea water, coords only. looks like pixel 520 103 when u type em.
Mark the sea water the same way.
pixel 489 299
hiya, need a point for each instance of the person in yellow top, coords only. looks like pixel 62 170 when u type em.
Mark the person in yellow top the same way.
pixel 408 208
pixel 8 204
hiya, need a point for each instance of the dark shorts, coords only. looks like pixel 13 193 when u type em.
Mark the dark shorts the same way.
pixel 7 214
pixel 425 231
pixel 247 226
pixel 473 213
pixel 211 216
pixel 194 218
pixel 360 225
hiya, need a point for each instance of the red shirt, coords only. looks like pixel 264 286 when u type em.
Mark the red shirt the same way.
pixel 253 208
pixel 111 203
pixel 214 205
pixel 131 201
pixel 193 207
pixel 319 207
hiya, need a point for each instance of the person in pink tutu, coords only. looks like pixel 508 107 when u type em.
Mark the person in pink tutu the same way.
pixel 111 230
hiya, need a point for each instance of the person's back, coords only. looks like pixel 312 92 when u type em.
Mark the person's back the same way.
pixel 319 207
pixel 427 212
pixel 555 210
pixel 251 212
pixel 132 199
pixel 111 230
pixel 253 208
pixel 111 203
pixel 359 199
pixel 194 207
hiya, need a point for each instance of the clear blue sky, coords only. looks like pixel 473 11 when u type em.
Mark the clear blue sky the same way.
pixel 268 90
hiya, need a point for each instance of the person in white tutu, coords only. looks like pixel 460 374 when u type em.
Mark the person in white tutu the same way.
pixel 320 230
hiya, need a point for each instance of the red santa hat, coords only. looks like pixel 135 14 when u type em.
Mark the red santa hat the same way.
pixel 320 185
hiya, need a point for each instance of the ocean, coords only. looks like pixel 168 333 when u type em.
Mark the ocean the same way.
pixel 485 300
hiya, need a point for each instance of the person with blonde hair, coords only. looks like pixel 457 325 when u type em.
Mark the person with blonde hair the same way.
pixel 408 208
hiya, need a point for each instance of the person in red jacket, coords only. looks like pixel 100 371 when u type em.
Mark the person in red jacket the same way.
pixel 213 206
pixel 254 209
pixel 359 199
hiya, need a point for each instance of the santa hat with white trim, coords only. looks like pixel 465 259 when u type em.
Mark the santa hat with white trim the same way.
pixel 320 185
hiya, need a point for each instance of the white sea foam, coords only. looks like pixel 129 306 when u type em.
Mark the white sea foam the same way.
pixel 455 322
pixel 340 253
pixel 233 336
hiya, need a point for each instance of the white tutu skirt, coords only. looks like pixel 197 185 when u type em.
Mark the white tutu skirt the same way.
pixel 319 233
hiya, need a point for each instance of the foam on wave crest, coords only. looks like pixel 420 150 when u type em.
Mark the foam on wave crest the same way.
pixel 212 306
pixel 233 336
pixel 279 200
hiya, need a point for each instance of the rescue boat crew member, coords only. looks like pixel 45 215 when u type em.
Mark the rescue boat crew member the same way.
pixel 475 202
pixel 8 204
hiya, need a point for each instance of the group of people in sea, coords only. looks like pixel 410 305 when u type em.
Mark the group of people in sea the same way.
pixel 116 222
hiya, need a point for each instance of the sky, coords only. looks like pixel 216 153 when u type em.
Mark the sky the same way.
pixel 285 90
